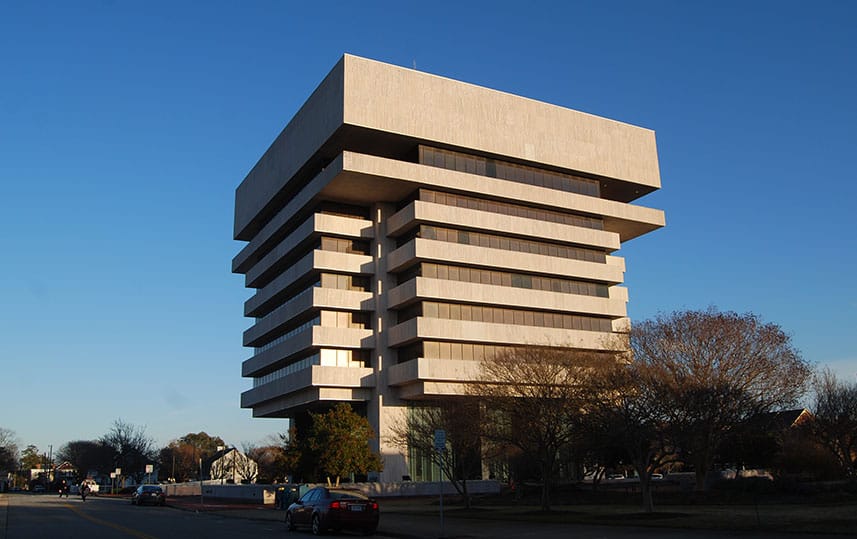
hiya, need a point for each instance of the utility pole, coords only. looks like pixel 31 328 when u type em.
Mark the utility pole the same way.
pixel 201 498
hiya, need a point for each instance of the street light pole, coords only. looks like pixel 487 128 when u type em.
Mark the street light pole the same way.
pixel 201 499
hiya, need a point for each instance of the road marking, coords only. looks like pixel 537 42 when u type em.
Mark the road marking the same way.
pixel 117 527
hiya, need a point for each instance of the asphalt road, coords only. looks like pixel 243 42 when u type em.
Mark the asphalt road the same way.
pixel 33 515
pixel 24 516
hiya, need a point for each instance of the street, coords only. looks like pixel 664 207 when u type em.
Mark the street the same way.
pixel 28 515
pixel 31 515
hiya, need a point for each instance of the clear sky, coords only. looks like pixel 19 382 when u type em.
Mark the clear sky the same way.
pixel 126 126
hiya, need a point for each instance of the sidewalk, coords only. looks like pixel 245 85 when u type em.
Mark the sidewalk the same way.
pixel 225 508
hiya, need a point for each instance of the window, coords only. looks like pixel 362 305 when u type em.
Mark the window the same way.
pixel 500 169
pixel 503 278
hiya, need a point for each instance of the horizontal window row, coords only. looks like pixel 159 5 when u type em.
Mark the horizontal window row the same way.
pixel 326 318
pixel 331 357
pixel 294 186
pixel 291 368
pixel 324 207
pixel 502 315
pixel 277 310
pixel 344 282
pixel 345 319
pixel 505 208
pixel 343 210
pixel 345 245
pixel 503 278
pixel 326 357
pixel 494 168
pixel 450 350
pixel 288 334
pixel 339 245
pixel 505 243
pixel 325 280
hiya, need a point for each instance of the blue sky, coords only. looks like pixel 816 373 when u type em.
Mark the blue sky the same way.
pixel 126 126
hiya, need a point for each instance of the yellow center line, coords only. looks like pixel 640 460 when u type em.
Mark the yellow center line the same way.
pixel 117 527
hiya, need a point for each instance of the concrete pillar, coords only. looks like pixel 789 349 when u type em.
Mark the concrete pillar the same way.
pixel 384 410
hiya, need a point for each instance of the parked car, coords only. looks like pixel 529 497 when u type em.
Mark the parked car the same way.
pixel 322 509
pixel 152 494
pixel 38 488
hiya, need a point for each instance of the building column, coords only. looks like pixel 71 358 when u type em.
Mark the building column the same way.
pixel 384 410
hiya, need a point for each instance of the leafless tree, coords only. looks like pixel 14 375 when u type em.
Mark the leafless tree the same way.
pixel 714 370
pixel 8 450
pixel 461 419
pixel 536 397
pixel 246 469
pixel 132 448
pixel 627 411
pixel 834 421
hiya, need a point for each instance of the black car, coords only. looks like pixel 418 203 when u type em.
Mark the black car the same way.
pixel 152 494
pixel 323 509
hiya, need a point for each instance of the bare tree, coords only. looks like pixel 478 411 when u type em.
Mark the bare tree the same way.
pixel 834 421
pixel 246 468
pixel 461 459
pixel 627 411
pixel 536 397
pixel 8 450
pixel 713 371
pixel 132 448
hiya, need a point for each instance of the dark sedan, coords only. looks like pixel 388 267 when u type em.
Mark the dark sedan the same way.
pixel 322 509
pixel 152 494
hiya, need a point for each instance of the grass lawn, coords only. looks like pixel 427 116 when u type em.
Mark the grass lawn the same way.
pixel 794 515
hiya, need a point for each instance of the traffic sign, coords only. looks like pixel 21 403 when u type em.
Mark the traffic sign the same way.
pixel 439 440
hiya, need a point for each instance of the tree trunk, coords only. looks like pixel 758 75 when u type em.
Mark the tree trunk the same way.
pixel 546 479
pixel 700 480
pixel 701 465
pixel 645 486
pixel 646 490
pixel 465 493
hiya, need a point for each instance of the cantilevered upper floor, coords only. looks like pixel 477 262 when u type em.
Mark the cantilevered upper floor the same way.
pixel 385 111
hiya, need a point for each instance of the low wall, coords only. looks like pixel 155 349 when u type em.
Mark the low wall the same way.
pixel 424 488
pixel 266 494
pixel 263 494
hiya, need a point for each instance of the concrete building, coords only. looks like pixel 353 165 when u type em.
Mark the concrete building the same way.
pixel 404 225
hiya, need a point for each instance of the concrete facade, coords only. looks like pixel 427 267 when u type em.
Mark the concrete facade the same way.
pixel 404 225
